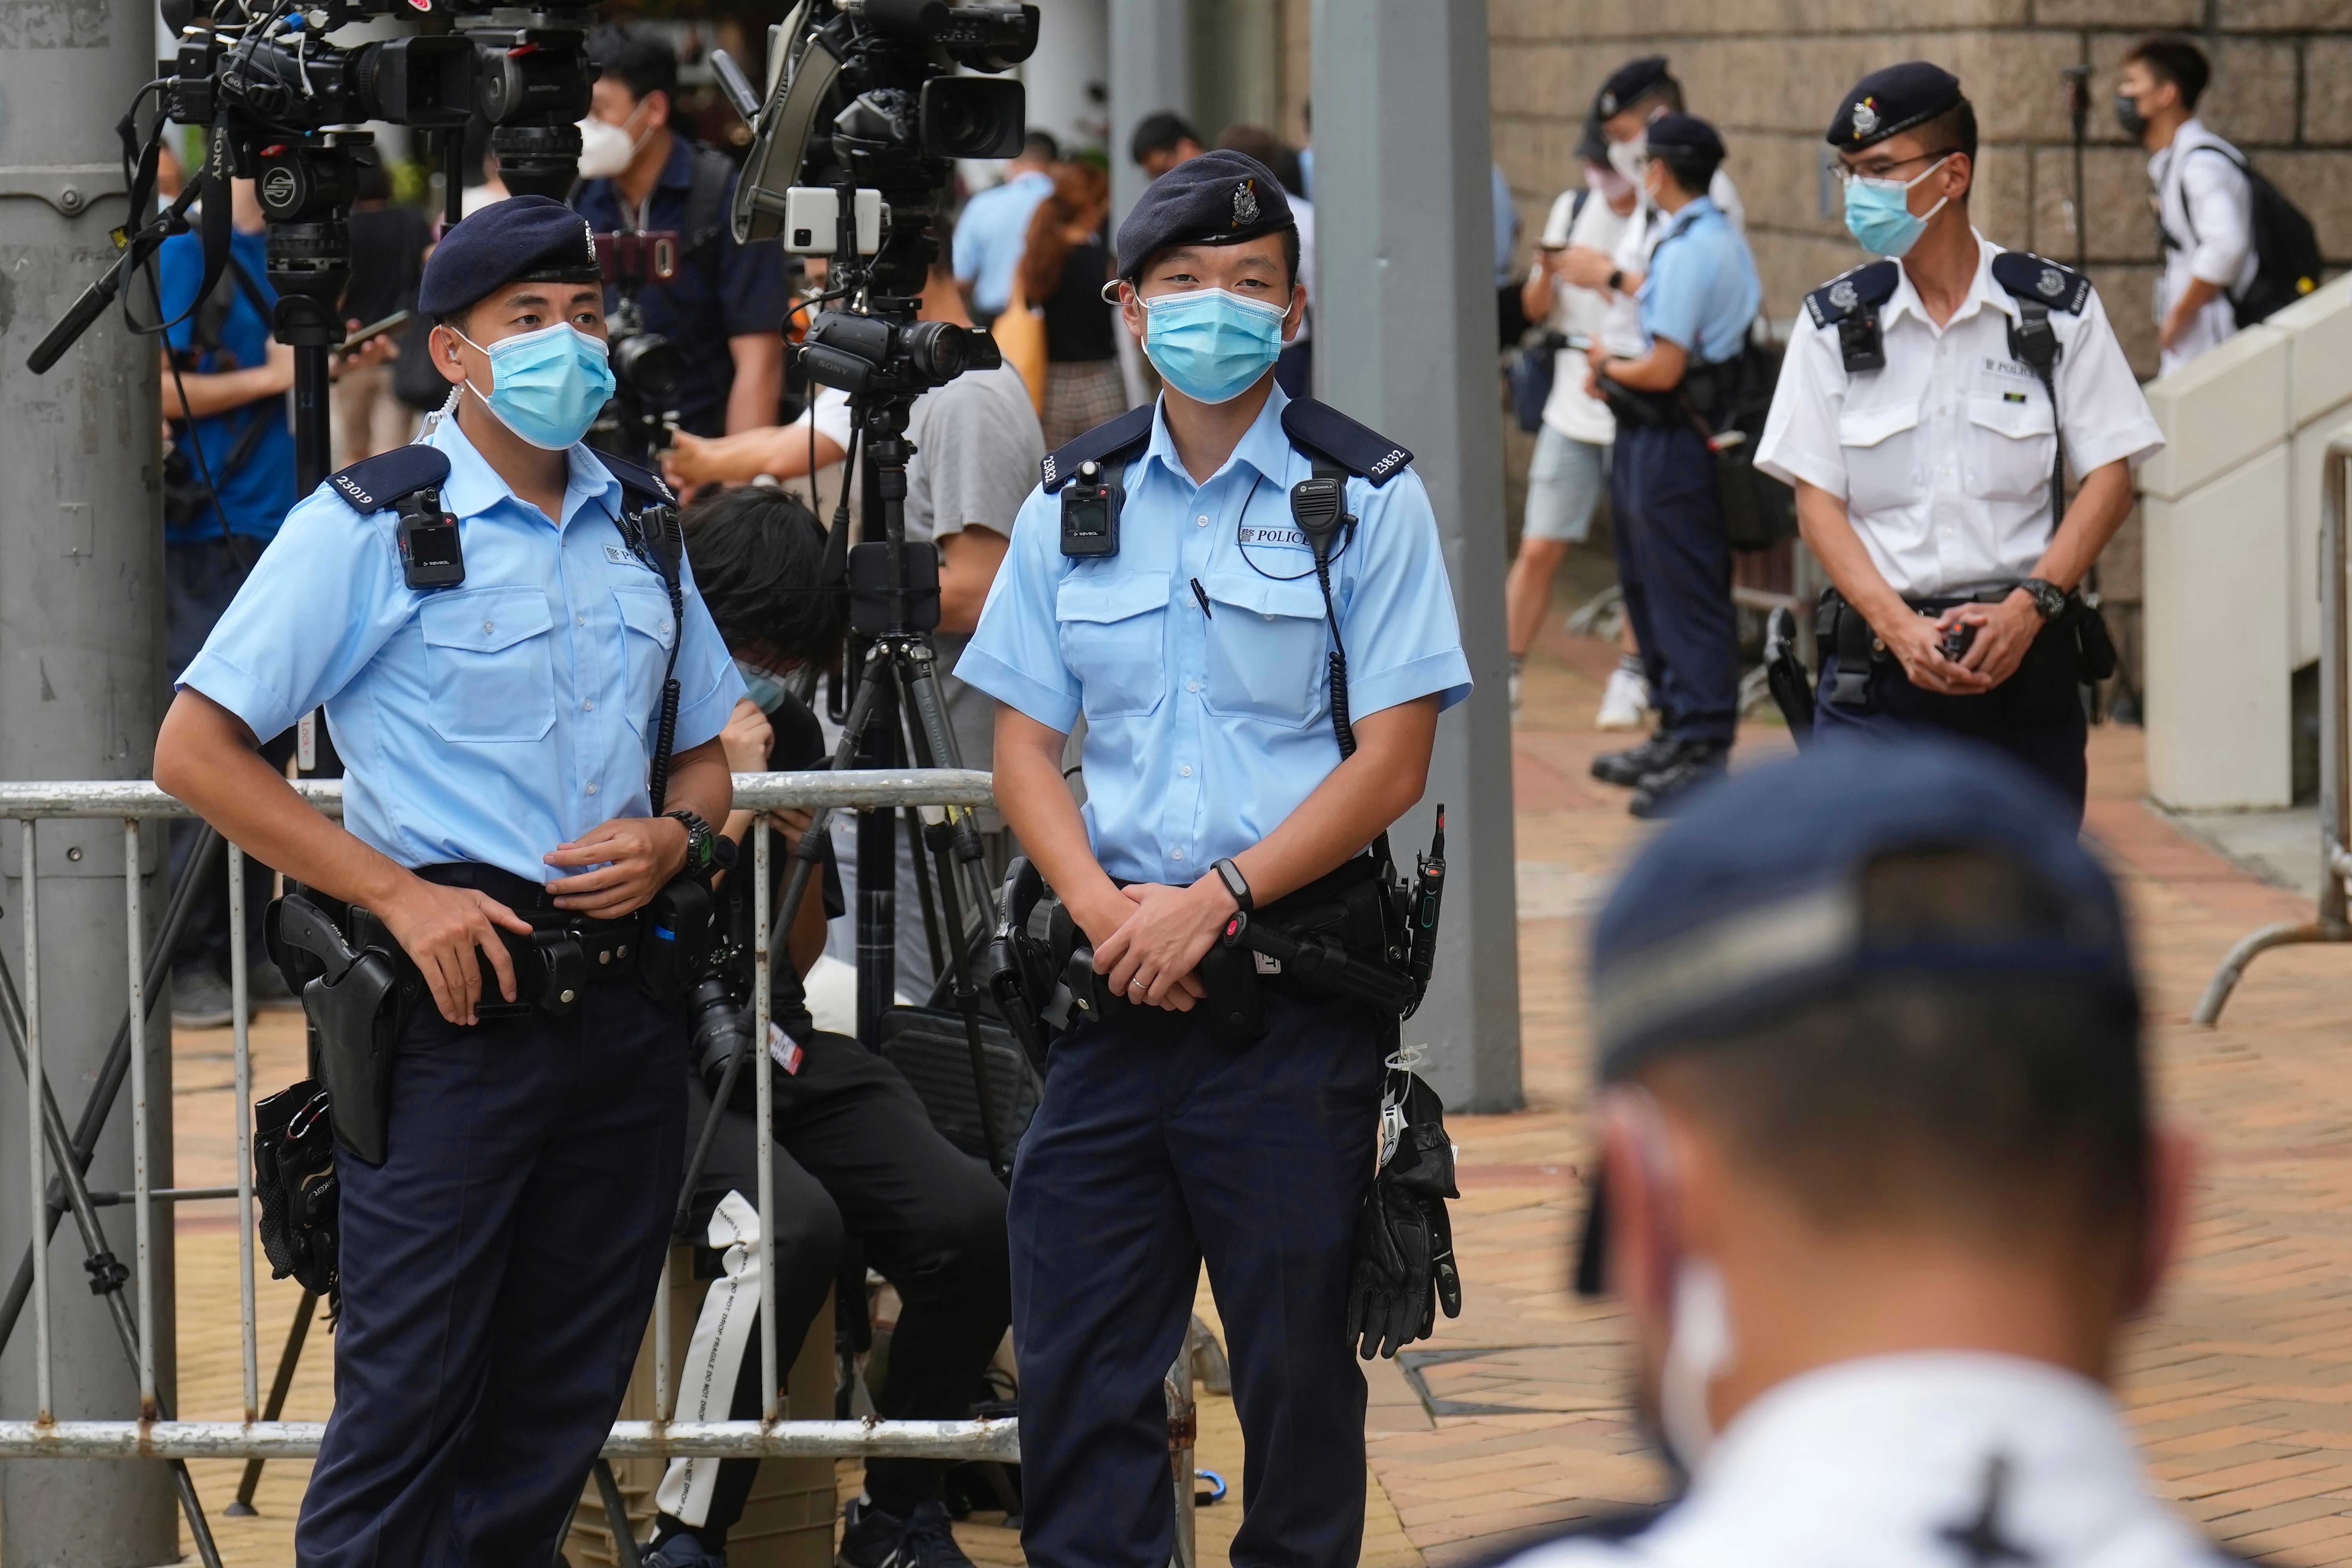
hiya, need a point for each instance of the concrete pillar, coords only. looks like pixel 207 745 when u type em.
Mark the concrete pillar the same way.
pixel 1405 340
pixel 1151 69
pixel 81 637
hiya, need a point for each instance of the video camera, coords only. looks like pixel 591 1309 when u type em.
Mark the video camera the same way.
pixel 638 422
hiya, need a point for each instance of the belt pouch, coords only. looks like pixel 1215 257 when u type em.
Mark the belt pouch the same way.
pixel 1852 638
pixel 2093 644
pixel 1236 1002
pixel 676 947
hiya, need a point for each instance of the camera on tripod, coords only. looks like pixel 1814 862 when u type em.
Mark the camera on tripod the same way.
pixel 636 424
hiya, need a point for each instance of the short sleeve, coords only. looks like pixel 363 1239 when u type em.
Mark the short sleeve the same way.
pixel 708 681
pixel 2219 200
pixel 1015 655
pixel 1801 434
pixel 977 459
pixel 1402 639
pixel 2102 413
pixel 270 658
pixel 1556 222
pixel 1672 300
pixel 753 295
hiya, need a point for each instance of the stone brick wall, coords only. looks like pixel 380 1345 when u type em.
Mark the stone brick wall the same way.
pixel 1768 72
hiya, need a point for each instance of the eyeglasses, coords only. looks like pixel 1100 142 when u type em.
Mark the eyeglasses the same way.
pixel 1847 175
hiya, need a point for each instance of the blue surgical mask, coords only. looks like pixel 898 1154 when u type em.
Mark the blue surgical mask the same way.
pixel 764 687
pixel 547 385
pixel 1878 212
pixel 1211 345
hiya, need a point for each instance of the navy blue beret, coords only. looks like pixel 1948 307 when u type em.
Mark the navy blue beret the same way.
pixel 1217 198
pixel 1628 83
pixel 507 242
pixel 1889 102
pixel 1684 131
pixel 1751 904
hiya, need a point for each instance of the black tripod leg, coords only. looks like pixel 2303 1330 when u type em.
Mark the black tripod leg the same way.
pixel 914 821
pixel 106 1274
pixel 967 1000
pixel 616 1515
pixel 288 1360
pixel 116 1066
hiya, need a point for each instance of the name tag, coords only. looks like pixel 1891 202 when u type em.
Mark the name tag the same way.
pixel 1252 533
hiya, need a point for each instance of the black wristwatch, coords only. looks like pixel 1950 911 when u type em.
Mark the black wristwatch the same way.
pixel 1236 884
pixel 1616 280
pixel 2048 597
pixel 704 850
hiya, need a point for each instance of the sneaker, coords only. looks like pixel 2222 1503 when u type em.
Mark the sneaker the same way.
pixel 1623 700
pixel 1629 768
pixel 683 1550
pixel 1667 791
pixel 199 1000
pixel 872 1538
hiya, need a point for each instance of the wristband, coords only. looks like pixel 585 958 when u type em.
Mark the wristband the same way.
pixel 1235 883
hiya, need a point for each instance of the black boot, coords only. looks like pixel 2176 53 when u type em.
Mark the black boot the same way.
pixel 1666 792
pixel 1629 768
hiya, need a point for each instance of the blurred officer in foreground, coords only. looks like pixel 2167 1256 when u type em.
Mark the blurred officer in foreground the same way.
pixel 1879 1182
pixel 1674 557
pixel 491 617
pixel 1195 628
pixel 1925 405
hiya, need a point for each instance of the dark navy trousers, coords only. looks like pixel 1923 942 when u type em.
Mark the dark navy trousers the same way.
pixel 497 1271
pixel 1673 563
pixel 1157 1149
pixel 2050 744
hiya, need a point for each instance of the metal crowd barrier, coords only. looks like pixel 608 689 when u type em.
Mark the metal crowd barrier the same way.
pixel 2332 923
pixel 135 805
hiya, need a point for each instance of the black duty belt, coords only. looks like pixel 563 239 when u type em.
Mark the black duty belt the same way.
pixel 608 949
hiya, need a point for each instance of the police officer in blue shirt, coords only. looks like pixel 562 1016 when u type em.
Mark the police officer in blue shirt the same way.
pixel 499 729
pixel 1196 636
pixel 1697 300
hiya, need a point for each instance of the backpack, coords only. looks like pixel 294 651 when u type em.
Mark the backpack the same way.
pixel 2286 248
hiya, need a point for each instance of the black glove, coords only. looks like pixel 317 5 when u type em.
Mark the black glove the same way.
pixel 1404 1244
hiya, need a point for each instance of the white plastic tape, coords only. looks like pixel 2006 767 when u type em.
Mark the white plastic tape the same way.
pixel 714 1357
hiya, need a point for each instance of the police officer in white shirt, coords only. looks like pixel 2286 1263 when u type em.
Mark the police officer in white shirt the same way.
pixel 1921 414
pixel 2204 201
pixel 1879 1181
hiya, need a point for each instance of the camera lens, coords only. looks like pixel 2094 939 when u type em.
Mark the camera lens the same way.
pixel 938 350
pixel 720 1026
pixel 973 117
pixel 648 364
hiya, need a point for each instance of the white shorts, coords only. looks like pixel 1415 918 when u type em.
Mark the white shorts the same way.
pixel 1565 483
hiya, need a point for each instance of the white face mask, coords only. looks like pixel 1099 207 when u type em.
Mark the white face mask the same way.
pixel 606 148
pixel 1627 158
pixel 1700 1350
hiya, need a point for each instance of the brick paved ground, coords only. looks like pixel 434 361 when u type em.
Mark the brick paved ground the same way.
pixel 2237 1386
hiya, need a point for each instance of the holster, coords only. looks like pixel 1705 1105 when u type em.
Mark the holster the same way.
pixel 358 1000
pixel 1837 627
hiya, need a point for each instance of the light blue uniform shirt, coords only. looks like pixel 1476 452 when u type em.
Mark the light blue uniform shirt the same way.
pixel 1702 290
pixel 488 723
pixel 992 235
pixel 1204 731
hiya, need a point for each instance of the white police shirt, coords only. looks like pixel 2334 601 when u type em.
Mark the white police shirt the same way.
pixel 1937 1459
pixel 2206 206
pixel 1943 458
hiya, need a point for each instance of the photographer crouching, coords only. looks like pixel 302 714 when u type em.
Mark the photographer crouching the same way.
pixel 856 1157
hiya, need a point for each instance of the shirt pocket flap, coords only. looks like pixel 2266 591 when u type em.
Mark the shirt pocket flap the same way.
pixel 1869 427
pixel 486 620
pixel 646 612
pixel 1269 596
pixel 2018 420
pixel 1110 598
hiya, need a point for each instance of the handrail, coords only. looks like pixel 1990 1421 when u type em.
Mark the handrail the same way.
pixel 2331 925
pixel 856 789
pixel 978 1439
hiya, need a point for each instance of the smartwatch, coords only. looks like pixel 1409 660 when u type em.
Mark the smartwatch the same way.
pixel 704 850
pixel 2048 597
pixel 1236 884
